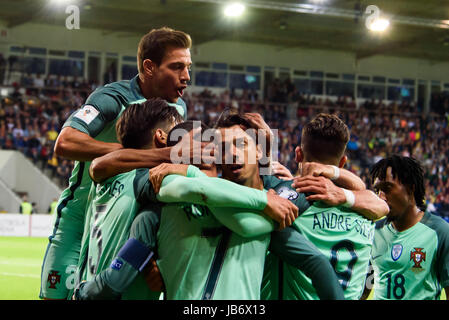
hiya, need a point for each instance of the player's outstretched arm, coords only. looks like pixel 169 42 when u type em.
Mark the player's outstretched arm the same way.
pixel 76 145
pixel 365 202
pixel 341 177
pixel 293 248
pixel 125 160
pixel 199 189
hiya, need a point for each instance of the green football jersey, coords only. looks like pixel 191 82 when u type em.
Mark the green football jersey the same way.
pixel 273 279
pixel 345 238
pixel 108 223
pixel 199 258
pixel 412 264
pixel 97 118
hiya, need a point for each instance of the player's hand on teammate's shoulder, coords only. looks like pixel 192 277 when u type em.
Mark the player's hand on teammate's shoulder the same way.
pixel 320 189
pixel 281 171
pixel 158 173
pixel 280 210
pixel 315 169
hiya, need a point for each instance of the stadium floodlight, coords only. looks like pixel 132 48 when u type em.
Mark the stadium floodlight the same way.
pixel 235 9
pixel 61 2
pixel 379 25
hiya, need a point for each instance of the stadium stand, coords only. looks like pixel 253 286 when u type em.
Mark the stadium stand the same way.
pixel 32 116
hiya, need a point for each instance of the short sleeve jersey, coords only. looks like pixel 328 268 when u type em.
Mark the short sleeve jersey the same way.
pixel 412 264
pixel 199 258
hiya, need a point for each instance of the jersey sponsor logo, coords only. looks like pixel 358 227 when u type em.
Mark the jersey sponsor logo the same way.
pixel 396 252
pixel 53 279
pixel 418 257
pixel 287 193
pixel 116 264
pixel 87 113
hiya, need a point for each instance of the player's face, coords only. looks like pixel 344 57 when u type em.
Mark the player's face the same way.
pixel 397 196
pixel 239 155
pixel 171 76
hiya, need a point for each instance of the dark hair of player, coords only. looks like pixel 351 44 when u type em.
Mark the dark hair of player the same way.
pixel 407 170
pixel 135 127
pixel 231 117
pixel 324 139
pixel 187 126
pixel 154 44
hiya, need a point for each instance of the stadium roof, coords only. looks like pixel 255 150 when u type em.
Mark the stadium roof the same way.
pixel 418 28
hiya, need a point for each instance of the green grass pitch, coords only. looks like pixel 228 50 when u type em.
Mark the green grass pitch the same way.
pixel 20 267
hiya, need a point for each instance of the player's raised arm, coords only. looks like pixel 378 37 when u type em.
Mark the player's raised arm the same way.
pixel 125 160
pixel 76 145
pixel 365 202
pixel 341 177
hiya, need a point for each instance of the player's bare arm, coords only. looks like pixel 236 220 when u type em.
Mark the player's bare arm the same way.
pixel 125 160
pixel 343 178
pixel 75 145
pixel 366 202
pixel 278 209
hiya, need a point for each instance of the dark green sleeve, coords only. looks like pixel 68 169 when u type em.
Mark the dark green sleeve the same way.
pixel 143 189
pixel 107 102
pixel 441 228
pixel 146 225
pixel 112 282
pixel 293 248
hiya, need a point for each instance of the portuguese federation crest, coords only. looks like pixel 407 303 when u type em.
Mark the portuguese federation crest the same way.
pixel 418 257
pixel 53 279
pixel 396 252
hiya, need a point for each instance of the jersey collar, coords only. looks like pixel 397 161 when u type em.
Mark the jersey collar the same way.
pixel 135 88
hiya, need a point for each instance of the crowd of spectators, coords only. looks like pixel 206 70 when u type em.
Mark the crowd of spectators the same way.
pixel 31 118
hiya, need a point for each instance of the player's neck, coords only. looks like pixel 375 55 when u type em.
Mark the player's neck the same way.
pixel 255 182
pixel 408 219
pixel 144 87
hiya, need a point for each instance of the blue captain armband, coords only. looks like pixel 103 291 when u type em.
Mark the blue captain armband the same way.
pixel 134 253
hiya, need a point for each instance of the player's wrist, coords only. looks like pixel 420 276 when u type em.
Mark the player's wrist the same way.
pixel 349 198
pixel 335 173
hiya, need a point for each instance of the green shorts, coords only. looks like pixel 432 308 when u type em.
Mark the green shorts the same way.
pixel 61 258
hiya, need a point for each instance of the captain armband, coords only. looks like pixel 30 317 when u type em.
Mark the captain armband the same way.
pixel 134 253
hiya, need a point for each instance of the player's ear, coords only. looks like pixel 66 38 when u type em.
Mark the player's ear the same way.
pixel 148 67
pixel 343 161
pixel 160 138
pixel 299 156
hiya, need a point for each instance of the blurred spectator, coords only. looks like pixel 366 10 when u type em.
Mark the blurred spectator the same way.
pixel 25 207
pixel 2 69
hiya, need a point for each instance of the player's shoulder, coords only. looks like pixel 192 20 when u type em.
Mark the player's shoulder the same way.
pixel 121 91
pixel 436 223
pixel 285 190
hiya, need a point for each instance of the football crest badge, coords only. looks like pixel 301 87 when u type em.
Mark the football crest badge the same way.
pixel 396 252
pixel 287 193
pixel 418 256
pixel 53 278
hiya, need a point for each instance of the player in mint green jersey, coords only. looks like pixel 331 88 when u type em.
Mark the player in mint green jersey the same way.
pixel 109 283
pixel 163 63
pixel 410 254
pixel 335 227
pixel 196 261
pixel 119 199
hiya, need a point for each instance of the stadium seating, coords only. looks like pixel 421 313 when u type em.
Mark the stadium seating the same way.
pixel 31 118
